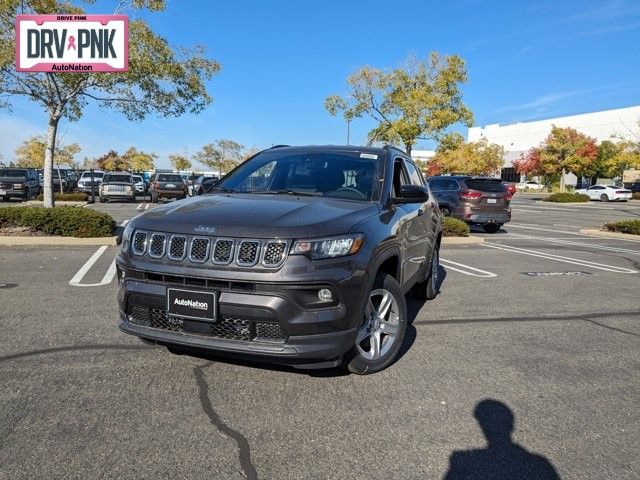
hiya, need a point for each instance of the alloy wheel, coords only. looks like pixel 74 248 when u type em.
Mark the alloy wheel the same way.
pixel 381 326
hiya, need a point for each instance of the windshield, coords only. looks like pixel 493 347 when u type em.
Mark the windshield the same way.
pixel 338 174
pixel 13 173
pixel 137 179
pixel 486 184
pixel 95 175
pixel 170 178
pixel 110 177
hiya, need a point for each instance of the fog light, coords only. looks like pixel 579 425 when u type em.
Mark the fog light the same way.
pixel 325 295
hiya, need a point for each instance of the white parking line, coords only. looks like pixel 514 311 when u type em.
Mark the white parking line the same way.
pixel 146 206
pixel 108 277
pixel 527 210
pixel 559 258
pixel 579 244
pixel 140 206
pixel 124 223
pixel 552 230
pixel 466 269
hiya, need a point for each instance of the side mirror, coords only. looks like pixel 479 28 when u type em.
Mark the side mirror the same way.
pixel 412 194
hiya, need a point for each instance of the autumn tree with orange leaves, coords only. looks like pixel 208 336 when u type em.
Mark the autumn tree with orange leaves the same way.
pixel 564 150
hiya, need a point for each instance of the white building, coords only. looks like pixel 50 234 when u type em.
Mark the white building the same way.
pixel 517 138
pixel 422 155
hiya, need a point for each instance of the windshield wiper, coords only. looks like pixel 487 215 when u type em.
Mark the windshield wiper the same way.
pixel 288 192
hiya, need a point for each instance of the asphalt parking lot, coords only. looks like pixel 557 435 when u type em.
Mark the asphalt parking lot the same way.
pixel 540 323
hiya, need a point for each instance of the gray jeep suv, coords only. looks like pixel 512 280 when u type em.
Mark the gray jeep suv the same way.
pixel 301 255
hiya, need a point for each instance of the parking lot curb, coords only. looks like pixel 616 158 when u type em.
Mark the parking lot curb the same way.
pixel 57 241
pixel 573 204
pixel 37 203
pixel 462 240
pixel 603 233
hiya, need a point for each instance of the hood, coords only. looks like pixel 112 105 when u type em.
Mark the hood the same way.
pixel 257 216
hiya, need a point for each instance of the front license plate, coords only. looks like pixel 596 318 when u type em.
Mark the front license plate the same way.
pixel 191 304
pixel 491 200
pixel 3 192
pixel 170 185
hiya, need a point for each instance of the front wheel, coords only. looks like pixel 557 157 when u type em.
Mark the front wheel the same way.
pixel 604 197
pixel 445 211
pixel 382 331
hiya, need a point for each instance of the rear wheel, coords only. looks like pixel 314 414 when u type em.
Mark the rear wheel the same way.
pixel 382 331
pixel 445 211
pixel 102 199
pixel 604 197
pixel 428 289
pixel 154 198
pixel 491 227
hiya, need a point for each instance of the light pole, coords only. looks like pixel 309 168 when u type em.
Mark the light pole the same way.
pixel 348 130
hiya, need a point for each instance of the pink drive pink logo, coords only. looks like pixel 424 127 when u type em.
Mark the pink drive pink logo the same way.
pixel 72 43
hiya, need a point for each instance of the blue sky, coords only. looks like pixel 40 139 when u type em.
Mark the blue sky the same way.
pixel 280 59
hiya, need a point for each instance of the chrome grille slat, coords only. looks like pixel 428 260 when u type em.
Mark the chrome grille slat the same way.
pixel 177 247
pixel 139 244
pixel 222 251
pixel 248 253
pixel 199 249
pixel 275 252
pixel 238 252
pixel 157 245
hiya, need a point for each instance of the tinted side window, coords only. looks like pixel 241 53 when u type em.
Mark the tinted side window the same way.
pixel 436 184
pixel 414 175
pixel 451 185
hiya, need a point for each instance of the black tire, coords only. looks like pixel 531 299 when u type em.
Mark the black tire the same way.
pixel 154 198
pixel 27 195
pixel 604 197
pixel 445 211
pixel 182 197
pixel 354 360
pixel 428 290
pixel 103 200
pixel 491 227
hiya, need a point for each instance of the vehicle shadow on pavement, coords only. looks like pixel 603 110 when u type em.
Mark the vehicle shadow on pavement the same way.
pixel 502 459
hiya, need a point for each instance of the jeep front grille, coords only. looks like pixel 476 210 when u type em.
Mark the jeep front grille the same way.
pixel 248 253
pixel 222 252
pixel 157 245
pixel 139 244
pixel 177 247
pixel 269 253
pixel 199 250
pixel 274 254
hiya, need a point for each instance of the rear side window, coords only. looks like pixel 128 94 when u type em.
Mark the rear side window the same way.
pixel 485 184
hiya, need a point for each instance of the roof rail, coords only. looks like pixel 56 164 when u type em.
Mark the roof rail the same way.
pixel 278 146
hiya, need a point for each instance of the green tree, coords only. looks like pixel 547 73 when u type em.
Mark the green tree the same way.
pixel 179 162
pixel 420 100
pixel 139 161
pixel 603 163
pixel 111 161
pixel 161 80
pixel 222 155
pixel 473 158
pixel 567 150
pixel 31 153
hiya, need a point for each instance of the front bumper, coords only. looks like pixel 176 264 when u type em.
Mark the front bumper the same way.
pixel 118 195
pixel 87 188
pixel 280 322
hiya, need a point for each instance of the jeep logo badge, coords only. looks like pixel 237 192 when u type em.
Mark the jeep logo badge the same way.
pixel 205 229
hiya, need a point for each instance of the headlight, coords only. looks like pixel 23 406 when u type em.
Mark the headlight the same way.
pixel 126 237
pixel 330 247
pixel 128 188
pixel 17 186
